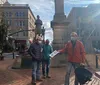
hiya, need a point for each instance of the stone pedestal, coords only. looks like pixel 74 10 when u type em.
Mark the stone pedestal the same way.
pixel 26 62
pixel 59 30
pixel 59 61
pixel 59 25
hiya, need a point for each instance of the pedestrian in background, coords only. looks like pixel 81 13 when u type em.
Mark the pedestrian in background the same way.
pixel 47 50
pixel 36 53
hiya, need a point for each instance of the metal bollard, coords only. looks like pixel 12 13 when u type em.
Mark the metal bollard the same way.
pixel 17 56
pixel 13 55
pixel 96 61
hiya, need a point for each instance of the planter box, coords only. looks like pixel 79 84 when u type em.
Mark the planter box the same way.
pixel 26 62
pixel 1 57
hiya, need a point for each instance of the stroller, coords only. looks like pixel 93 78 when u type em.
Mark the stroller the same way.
pixel 83 75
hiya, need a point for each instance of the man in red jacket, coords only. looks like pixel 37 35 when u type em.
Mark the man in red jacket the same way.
pixel 76 55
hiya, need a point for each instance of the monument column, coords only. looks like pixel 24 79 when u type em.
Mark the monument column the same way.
pixel 59 6
pixel 59 10
pixel 59 25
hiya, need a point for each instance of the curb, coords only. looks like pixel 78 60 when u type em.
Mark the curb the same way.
pixel 97 74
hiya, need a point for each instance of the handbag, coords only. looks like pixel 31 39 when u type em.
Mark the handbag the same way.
pixel 83 75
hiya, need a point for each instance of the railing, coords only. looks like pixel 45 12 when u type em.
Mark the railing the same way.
pixel 97 52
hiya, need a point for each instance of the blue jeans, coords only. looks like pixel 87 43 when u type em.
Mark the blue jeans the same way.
pixel 45 67
pixel 69 68
pixel 36 70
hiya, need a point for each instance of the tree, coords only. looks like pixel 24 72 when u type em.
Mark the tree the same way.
pixel 3 34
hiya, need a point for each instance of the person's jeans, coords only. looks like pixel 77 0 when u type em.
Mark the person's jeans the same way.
pixel 36 70
pixel 45 67
pixel 69 68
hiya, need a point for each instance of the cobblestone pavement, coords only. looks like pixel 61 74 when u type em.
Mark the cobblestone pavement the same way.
pixel 10 76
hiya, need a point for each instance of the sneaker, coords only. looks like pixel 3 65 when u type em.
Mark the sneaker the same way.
pixel 48 77
pixel 39 80
pixel 44 77
pixel 33 83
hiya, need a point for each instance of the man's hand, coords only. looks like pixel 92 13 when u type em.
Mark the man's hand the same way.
pixel 59 51
pixel 82 64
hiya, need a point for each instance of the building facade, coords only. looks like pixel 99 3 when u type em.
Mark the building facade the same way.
pixel 2 1
pixel 86 22
pixel 18 17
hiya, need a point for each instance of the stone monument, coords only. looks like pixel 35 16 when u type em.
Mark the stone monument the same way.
pixel 38 24
pixel 59 25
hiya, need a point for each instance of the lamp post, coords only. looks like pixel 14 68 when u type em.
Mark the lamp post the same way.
pixel 43 33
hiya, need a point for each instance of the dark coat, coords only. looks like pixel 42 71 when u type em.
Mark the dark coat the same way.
pixel 36 52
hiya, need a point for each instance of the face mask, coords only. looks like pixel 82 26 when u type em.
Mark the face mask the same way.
pixel 73 38
pixel 47 43
pixel 40 42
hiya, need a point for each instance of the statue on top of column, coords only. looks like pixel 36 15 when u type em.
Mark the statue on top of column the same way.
pixel 38 24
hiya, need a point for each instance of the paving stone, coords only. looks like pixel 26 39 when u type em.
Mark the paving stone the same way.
pixel 10 76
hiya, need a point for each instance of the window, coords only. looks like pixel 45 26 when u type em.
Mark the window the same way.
pixel 16 14
pixel 17 23
pixel 24 33
pixel 97 33
pixel 9 22
pixel 10 14
pixel 6 14
pixel 23 23
pixel 20 23
pixel 94 33
pixel 96 44
pixel 16 34
pixel 20 14
pixel 3 13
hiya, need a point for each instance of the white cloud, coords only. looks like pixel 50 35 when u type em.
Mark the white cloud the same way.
pixel 44 8
pixel 81 1
pixel 46 24
pixel 49 34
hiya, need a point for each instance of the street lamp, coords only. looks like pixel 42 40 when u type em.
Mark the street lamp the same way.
pixel 43 33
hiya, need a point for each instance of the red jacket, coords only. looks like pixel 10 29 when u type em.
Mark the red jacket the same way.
pixel 76 54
